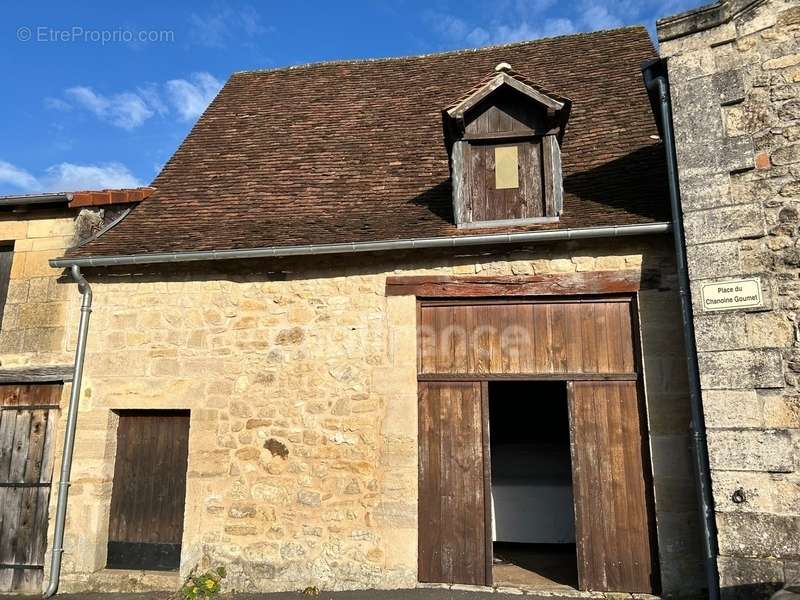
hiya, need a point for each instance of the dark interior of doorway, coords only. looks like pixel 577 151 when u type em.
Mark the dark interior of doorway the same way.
pixel 533 523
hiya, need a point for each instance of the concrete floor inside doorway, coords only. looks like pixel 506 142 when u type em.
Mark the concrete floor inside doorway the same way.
pixel 535 567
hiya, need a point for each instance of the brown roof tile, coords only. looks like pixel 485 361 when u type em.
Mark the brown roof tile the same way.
pixel 353 151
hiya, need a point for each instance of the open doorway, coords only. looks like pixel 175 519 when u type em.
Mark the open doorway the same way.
pixel 533 522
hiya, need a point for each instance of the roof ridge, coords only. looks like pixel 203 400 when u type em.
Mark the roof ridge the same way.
pixel 461 51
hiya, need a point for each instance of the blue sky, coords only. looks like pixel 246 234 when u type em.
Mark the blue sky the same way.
pixel 101 94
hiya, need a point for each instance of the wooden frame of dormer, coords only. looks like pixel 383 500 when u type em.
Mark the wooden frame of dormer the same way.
pixel 502 125
pixel 502 78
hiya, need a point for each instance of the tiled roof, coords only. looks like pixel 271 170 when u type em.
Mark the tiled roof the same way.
pixel 353 151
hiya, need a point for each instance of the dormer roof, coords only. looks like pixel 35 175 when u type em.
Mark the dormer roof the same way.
pixel 503 76
pixel 508 77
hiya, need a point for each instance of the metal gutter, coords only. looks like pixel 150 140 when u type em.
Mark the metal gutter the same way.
pixel 548 235
pixel 656 82
pixel 26 199
pixel 69 435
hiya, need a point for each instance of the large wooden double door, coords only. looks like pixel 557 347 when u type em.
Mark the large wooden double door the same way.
pixel 590 345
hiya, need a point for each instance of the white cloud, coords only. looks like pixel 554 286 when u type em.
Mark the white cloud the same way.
pixel 57 104
pixel 127 110
pixel 531 19
pixel 218 29
pixel 596 15
pixel 16 177
pixel 66 177
pixel 190 98
pixel 150 94
pixel 515 29
pixel 503 34
pixel 131 109
pixel 69 176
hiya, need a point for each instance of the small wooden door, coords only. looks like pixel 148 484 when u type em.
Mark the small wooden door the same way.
pixel 148 495
pixel 452 485
pixel 27 430
pixel 610 475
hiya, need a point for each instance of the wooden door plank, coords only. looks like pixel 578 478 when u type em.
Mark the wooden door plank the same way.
pixel 626 314
pixel 589 346
pixel 601 337
pixel 452 542
pixel 429 519
pixel 624 535
pixel 574 338
pixel 8 422
pixel 6 580
pixel 616 547
pixel 644 563
pixel 558 324
pixel 487 484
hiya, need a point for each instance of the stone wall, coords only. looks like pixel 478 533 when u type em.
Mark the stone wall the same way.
pixel 736 108
pixel 300 376
pixel 35 318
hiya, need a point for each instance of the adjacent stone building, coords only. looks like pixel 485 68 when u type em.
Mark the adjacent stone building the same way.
pixel 734 71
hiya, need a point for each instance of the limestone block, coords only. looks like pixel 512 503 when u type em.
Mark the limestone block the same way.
pixel 786 155
pixel 737 153
pixel 13 230
pixel 780 410
pixel 751 450
pixel 758 534
pixel 741 369
pixel 777 493
pixel 720 331
pixel 17 291
pixel 51 243
pixel 729 86
pixel 43 339
pixel 610 263
pixel 705 191
pixel 726 223
pixel 732 408
pixel 771 329
pixel 36 264
pixel 749 577
pixel 692 64
pixel 718 259
pixel 48 228
pixel 782 62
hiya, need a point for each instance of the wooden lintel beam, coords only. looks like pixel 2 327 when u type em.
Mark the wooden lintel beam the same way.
pixel 600 282
pixel 52 374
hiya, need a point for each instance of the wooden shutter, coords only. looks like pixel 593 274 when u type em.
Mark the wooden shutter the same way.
pixel 453 473
pixel 613 518
pixel 27 430
pixel 149 490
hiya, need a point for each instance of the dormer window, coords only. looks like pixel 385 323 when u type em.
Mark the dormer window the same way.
pixel 504 139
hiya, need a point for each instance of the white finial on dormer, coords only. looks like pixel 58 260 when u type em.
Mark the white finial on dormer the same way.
pixel 502 67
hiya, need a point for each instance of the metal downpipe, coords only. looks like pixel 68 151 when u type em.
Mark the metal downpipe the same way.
pixel 69 436
pixel 655 80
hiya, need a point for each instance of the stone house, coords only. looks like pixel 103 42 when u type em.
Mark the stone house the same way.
pixel 378 324
pixel 734 70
